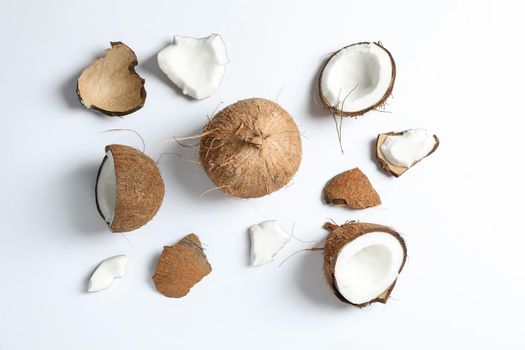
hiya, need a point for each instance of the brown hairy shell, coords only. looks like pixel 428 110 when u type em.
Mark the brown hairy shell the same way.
pixel 180 267
pixel 251 148
pixel 392 169
pixel 378 104
pixel 140 189
pixel 338 237
pixel 351 188
pixel 110 84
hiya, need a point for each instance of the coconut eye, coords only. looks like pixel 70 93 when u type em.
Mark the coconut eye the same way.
pixel 357 78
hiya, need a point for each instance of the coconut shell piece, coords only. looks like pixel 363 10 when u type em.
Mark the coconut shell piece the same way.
pixel 351 188
pixel 378 104
pixel 392 169
pixel 251 148
pixel 338 237
pixel 180 267
pixel 110 84
pixel 140 189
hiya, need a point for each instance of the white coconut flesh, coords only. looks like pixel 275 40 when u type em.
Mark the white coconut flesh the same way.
pixel 195 65
pixel 107 271
pixel 408 148
pixel 367 266
pixel 107 189
pixel 356 77
pixel 267 238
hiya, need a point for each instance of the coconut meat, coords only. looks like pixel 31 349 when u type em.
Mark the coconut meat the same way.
pixel 367 266
pixel 107 270
pixel 107 189
pixel 408 148
pixel 195 65
pixel 356 77
pixel 267 238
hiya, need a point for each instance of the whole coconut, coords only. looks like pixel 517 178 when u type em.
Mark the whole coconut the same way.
pixel 251 148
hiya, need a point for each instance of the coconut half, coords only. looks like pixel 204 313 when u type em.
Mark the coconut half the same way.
pixel 357 78
pixel 195 65
pixel 250 148
pixel 362 261
pixel 110 84
pixel 397 152
pixel 129 189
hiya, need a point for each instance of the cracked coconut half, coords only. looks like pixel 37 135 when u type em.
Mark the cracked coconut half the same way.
pixel 353 189
pixel 110 84
pixel 362 261
pixel 357 79
pixel 195 65
pixel 180 267
pixel 397 152
pixel 129 189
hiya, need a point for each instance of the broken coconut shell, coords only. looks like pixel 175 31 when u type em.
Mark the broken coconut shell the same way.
pixel 180 267
pixel 338 238
pixel 139 188
pixel 110 84
pixel 250 148
pixel 351 188
pixel 392 169
pixel 338 110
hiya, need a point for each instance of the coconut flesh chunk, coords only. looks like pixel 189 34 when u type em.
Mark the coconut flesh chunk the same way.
pixel 107 189
pixel 106 272
pixel 195 65
pixel 367 266
pixel 357 78
pixel 408 147
pixel 267 238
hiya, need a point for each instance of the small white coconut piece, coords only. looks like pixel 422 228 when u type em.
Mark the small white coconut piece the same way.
pixel 106 271
pixel 267 238
pixel 367 266
pixel 195 65
pixel 357 79
pixel 409 147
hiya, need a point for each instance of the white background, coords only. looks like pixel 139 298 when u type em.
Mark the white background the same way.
pixel 460 73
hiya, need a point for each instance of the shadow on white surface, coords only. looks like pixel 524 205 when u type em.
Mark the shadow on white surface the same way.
pixel 80 199
pixel 315 108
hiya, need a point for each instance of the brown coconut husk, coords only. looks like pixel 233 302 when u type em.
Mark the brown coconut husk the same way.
pixel 351 188
pixel 180 267
pixel 338 237
pixel 337 112
pixel 392 169
pixel 140 189
pixel 250 148
pixel 110 84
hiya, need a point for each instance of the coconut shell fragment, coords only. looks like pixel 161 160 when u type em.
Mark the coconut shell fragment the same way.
pixel 353 189
pixel 344 235
pixel 180 267
pixel 139 188
pixel 110 84
pixel 251 148
pixel 393 169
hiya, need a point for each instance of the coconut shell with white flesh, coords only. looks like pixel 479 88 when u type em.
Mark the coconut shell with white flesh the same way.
pixel 357 79
pixel 129 188
pixel 351 188
pixel 362 261
pixel 110 84
pixel 180 267
pixel 250 148
pixel 410 154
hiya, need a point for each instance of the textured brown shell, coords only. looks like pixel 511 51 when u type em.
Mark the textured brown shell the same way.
pixel 351 188
pixel 180 267
pixel 251 148
pixel 140 189
pixel 392 169
pixel 378 104
pixel 110 84
pixel 340 236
